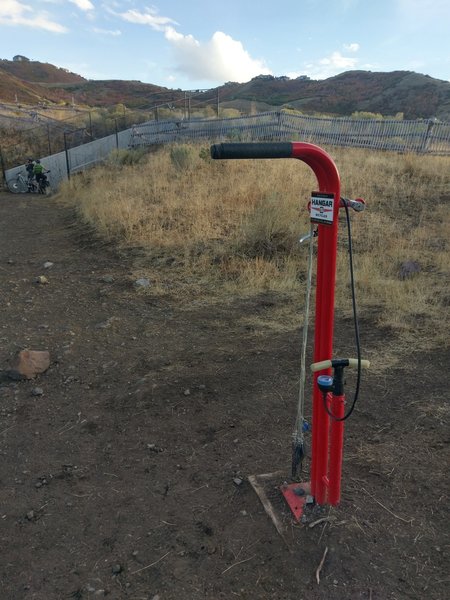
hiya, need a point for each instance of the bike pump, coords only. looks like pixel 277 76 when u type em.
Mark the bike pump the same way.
pixel 328 406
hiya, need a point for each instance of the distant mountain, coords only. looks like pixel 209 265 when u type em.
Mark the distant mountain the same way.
pixel 413 94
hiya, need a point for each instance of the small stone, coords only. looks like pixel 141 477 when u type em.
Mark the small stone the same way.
pixel 335 581
pixel 309 499
pixel 202 387
pixel 37 391
pixel 48 265
pixel 106 324
pixel 41 279
pixel 116 569
pixel 244 513
pixel 29 363
pixel 30 515
pixel 187 392
pixel 38 484
pixel 99 593
pixel 90 588
pixel 134 553
pixel 142 283
pixel 238 481
pixel 154 448
pixel 107 279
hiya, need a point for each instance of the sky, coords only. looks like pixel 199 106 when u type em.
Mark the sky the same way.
pixel 201 44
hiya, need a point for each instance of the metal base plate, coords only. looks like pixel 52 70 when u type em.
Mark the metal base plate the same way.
pixel 297 495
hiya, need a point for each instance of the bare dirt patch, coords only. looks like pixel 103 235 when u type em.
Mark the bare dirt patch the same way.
pixel 117 476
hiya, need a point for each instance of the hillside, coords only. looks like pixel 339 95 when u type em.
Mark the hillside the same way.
pixel 34 71
pixel 13 88
pixel 413 94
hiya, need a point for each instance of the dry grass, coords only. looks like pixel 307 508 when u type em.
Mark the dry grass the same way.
pixel 232 227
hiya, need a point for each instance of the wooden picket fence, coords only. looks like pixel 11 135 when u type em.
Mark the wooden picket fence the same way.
pixel 420 136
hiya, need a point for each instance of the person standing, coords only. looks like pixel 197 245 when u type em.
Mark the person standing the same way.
pixel 38 171
pixel 30 173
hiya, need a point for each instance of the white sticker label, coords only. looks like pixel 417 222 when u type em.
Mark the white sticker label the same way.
pixel 322 208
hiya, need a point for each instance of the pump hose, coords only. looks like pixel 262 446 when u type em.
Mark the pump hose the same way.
pixel 355 324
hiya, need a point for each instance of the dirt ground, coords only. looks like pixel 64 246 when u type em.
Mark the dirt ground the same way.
pixel 120 476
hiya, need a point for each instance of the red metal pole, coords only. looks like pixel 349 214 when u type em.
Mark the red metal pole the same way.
pixel 336 450
pixel 329 181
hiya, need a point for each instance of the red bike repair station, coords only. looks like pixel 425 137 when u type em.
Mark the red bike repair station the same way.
pixel 328 403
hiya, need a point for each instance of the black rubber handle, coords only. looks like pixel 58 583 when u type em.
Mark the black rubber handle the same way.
pixel 252 150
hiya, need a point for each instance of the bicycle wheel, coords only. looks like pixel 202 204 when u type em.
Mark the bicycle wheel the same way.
pixel 19 186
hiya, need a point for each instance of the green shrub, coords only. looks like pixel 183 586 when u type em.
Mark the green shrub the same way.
pixel 205 153
pixel 269 230
pixel 182 157
pixel 126 157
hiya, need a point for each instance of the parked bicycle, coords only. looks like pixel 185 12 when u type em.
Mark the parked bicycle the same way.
pixel 43 183
pixel 23 185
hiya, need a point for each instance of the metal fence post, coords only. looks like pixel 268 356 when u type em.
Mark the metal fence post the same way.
pixel 49 141
pixel 428 134
pixel 66 150
pixel 2 163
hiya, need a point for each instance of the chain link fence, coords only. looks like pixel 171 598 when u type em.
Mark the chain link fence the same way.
pixel 78 153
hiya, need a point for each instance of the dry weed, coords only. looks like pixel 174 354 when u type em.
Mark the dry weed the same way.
pixel 232 227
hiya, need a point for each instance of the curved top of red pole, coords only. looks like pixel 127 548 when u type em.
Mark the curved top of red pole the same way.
pixel 321 163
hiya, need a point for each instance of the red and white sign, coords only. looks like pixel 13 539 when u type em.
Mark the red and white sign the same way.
pixel 322 208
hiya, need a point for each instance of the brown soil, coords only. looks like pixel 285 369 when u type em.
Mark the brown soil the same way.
pixel 118 481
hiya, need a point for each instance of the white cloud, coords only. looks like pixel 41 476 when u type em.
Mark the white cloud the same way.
pixel 150 17
pixel 336 60
pixel 83 4
pixel 351 47
pixel 114 32
pixel 330 65
pixel 15 12
pixel 220 59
